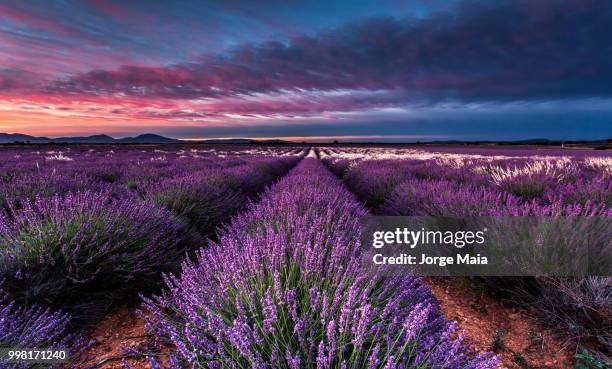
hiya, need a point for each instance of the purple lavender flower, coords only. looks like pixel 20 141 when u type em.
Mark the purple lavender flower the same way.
pixel 301 242
pixel 269 313
pixel 446 198
pixel 34 327
pixel 55 249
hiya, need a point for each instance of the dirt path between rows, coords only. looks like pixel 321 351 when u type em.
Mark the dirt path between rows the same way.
pixel 111 335
pixel 495 325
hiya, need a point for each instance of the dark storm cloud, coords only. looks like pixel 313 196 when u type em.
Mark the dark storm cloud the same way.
pixel 509 50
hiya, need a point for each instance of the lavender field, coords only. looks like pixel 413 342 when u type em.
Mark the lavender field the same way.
pixel 248 256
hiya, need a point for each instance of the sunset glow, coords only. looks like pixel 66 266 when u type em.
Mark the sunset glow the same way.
pixel 403 69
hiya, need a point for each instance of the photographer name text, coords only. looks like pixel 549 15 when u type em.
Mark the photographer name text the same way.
pixel 403 237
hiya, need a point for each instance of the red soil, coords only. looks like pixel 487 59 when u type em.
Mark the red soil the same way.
pixel 483 317
pixel 119 329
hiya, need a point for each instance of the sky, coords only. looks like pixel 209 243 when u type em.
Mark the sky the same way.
pixel 353 70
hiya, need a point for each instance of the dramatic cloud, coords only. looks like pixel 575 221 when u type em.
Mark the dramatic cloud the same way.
pixel 14 79
pixel 226 67
pixel 509 50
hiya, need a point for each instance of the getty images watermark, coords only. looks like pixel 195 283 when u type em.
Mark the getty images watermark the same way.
pixel 487 246
pixel 411 239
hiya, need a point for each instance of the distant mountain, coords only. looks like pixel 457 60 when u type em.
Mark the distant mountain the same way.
pixel 148 138
pixel 96 139
pixel 12 137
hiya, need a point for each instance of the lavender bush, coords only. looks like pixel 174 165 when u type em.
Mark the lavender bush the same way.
pixel 283 288
pixel 33 327
pixel 339 167
pixel 373 181
pixel 200 199
pixel 26 187
pixel 262 171
pixel 205 198
pixel 596 190
pixel 446 198
pixel 578 309
pixel 82 249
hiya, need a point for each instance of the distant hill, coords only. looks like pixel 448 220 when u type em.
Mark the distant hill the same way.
pixel 85 140
pixel 148 138
pixel 96 139
pixel 17 137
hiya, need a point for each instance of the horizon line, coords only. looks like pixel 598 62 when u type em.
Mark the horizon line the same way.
pixel 331 139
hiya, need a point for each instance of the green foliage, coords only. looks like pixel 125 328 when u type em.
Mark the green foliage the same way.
pixel 525 190
pixel 585 360
pixel 498 340
pixel 520 360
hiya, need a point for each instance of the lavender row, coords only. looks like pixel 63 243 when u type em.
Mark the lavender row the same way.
pixel 35 158
pixel 204 198
pixel 512 188
pixel 79 252
pixel 25 174
pixel 65 249
pixel 517 187
pixel 283 287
